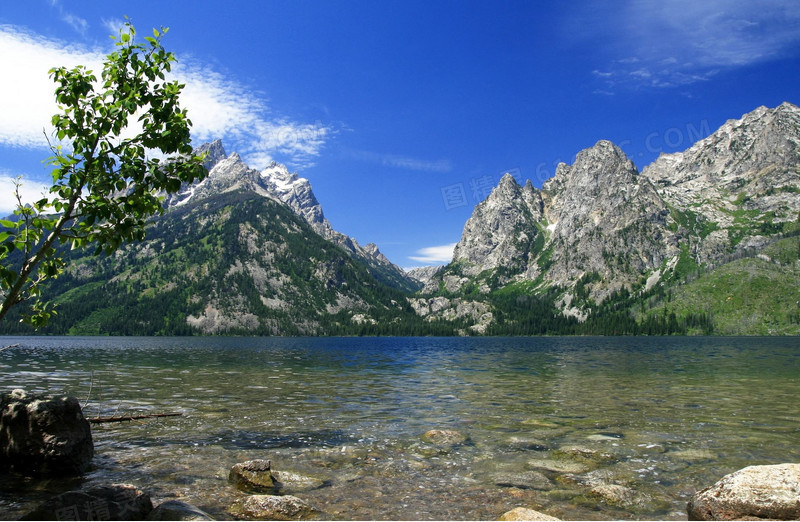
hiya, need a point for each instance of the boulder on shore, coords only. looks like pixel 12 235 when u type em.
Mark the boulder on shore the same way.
pixel 43 435
pixel 114 502
pixel 755 492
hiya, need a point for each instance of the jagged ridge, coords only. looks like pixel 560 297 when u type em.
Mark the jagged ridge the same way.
pixel 229 173
pixel 599 229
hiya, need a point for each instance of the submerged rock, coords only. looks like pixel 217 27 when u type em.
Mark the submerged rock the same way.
pixel 43 435
pixel 288 482
pixel 522 513
pixel 253 476
pixel 527 444
pixel 114 502
pixel 444 437
pixel 177 510
pixel 616 495
pixel 523 480
pixel 606 436
pixel 272 507
pixel 693 455
pixel 763 492
pixel 540 423
pixel 583 454
pixel 558 465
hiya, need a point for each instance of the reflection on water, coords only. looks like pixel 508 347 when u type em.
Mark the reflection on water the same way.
pixel 550 421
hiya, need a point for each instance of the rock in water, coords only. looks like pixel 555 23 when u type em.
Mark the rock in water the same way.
pixel 524 480
pixel 755 492
pixel 40 435
pixel 522 513
pixel 177 510
pixel 114 502
pixel 272 507
pixel 444 437
pixel 253 476
pixel 288 482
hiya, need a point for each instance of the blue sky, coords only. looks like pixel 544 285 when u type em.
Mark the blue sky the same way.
pixel 404 114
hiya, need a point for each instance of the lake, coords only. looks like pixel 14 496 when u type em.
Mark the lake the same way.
pixel 550 423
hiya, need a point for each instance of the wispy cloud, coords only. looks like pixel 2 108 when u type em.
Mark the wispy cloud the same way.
pixel 80 25
pixel 435 254
pixel 403 162
pixel 30 191
pixel 113 25
pixel 218 105
pixel 221 107
pixel 652 43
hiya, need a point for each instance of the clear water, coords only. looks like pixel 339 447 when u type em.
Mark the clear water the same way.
pixel 662 417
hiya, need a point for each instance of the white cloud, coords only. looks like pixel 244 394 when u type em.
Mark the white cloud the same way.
pixel 80 25
pixel 403 162
pixel 29 190
pixel 435 254
pixel 665 44
pixel 219 106
pixel 27 101
pixel 114 26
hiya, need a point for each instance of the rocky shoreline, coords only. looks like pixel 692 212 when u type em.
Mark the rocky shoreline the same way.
pixel 53 436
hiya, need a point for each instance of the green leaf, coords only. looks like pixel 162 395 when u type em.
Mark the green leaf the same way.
pixel 95 164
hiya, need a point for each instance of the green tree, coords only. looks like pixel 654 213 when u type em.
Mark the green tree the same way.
pixel 106 182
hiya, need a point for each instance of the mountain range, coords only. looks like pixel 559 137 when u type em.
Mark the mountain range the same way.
pixel 700 241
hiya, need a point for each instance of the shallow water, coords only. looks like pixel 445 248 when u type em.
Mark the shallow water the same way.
pixel 551 421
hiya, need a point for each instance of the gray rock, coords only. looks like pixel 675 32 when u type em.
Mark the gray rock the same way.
pixel 43 435
pixel 523 480
pixel 558 465
pixel 693 455
pixel 615 495
pixel 444 437
pixel 528 444
pixel 113 502
pixel 288 482
pixel 177 510
pixel 522 513
pixel 584 454
pixel 253 476
pixel 272 507
pixel 755 492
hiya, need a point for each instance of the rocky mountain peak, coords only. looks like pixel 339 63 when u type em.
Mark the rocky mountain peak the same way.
pixel 748 167
pixel 297 193
pixel 606 220
pixel 214 151
pixel 372 250
pixel 600 174
pixel 761 136
pixel 229 173
pixel 501 228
